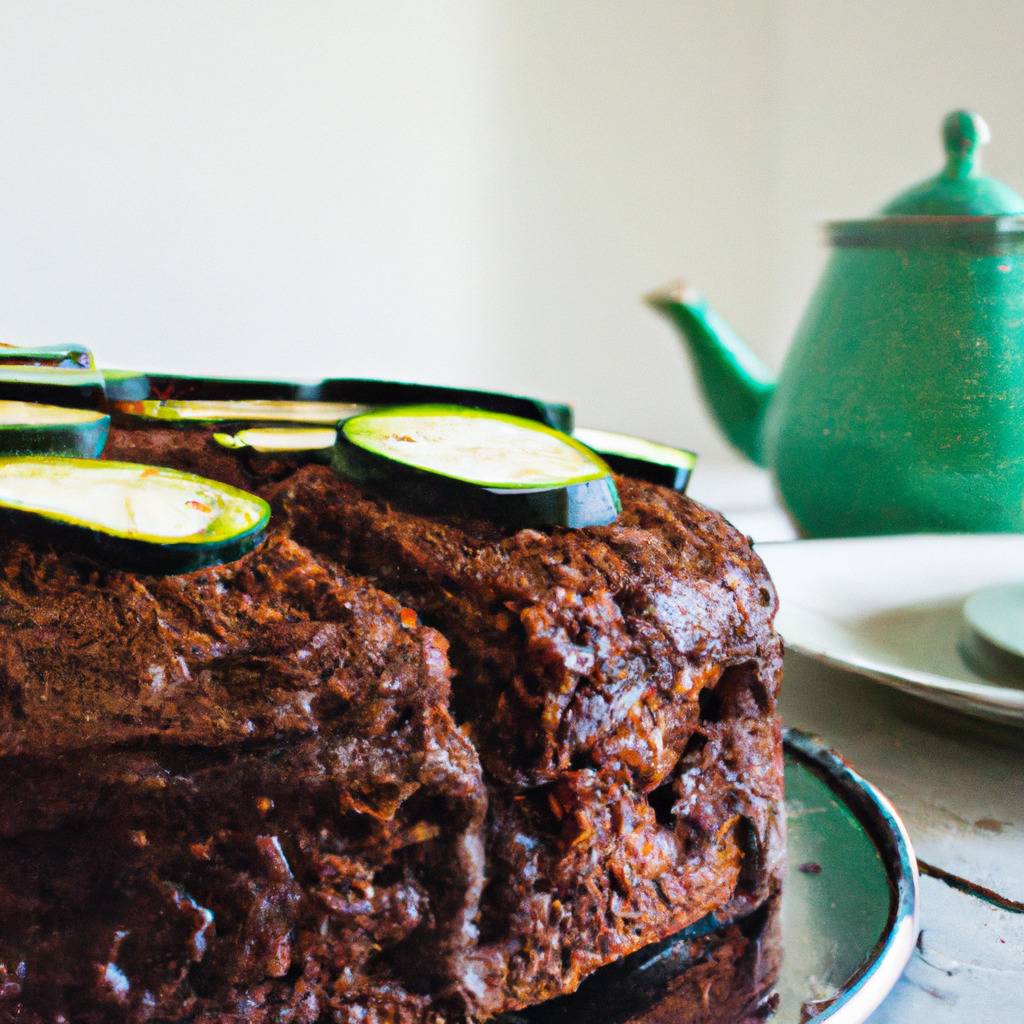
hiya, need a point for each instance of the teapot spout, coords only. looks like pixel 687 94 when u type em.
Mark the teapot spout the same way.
pixel 735 382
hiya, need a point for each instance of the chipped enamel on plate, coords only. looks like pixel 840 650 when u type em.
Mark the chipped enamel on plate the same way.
pixel 891 609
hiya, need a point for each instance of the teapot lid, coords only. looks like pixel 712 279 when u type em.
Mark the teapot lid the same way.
pixel 959 189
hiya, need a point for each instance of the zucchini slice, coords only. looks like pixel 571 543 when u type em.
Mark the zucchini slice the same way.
pixel 207 410
pixel 29 428
pixel 635 456
pixel 126 385
pixel 281 440
pixel 182 387
pixel 476 461
pixel 392 392
pixel 65 357
pixel 142 518
pixel 79 388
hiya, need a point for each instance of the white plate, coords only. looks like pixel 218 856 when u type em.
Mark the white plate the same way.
pixel 891 608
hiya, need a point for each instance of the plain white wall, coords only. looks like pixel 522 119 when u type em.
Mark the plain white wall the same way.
pixel 476 192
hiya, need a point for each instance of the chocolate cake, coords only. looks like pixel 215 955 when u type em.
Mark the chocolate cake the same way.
pixel 724 975
pixel 620 686
pixel 234 792
pixel 269 791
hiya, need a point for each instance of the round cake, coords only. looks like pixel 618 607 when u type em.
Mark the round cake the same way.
pixel 395 765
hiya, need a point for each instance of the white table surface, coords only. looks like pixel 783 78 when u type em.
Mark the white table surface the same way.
pixel 957 783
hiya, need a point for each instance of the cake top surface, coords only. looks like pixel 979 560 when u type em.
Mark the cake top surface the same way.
pixel 596 622
pixel 574 647
pixel 274 644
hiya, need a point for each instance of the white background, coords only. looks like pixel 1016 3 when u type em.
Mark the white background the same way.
pixel 466 192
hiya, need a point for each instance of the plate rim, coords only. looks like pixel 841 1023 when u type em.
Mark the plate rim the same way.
pixel 987 699
pixel 864 992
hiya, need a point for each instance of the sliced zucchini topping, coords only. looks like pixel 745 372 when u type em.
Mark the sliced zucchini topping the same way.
pixel 515 468
pixel 183 388
pixel 272 440
pixel 635 456
pixel 144 518
pixel 126 385
pixel 206 410
pixel 56 385
pixel 74 357
pixel 29 428
pixel 393 392
pixel 475 447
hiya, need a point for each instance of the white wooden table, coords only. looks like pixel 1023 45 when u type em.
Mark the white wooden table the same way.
pixel 958 785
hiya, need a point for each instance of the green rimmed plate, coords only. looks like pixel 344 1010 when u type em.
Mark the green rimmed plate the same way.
pixel 850 900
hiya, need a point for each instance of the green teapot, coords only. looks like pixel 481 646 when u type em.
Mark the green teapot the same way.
pixel 900 406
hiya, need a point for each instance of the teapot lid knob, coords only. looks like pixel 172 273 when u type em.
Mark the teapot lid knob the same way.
pixel 964 133
pixel 959 189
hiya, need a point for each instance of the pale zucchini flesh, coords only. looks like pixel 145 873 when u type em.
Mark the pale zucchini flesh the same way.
pixel 270 440
pixel 141 516
pixel 456 459
pixel 33 428
pixel 15 414
pixel 612 443
pixel 490 450
pixel 636 456
pixel 239 411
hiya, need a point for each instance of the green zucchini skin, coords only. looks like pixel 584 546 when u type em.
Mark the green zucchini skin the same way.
pixel 348 389
pixel 65 357
pixel 391 392
pixel 634 464
pixel 71 440
pixel 128 555
pixel 181 387
pixel 126 385
pixel 594 503
pixel 74 388
pixel 125 415
pixel 675 477
pixel 591 503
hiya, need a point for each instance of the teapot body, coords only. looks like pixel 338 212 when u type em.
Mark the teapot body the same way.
pixel 900 407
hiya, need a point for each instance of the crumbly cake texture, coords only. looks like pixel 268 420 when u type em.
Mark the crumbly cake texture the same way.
pixel 725 976
pixel 261 792
pixel 193 450
pixel 238 792
pixel 620 685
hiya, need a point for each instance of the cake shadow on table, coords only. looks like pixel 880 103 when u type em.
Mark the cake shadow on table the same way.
pixel 391 767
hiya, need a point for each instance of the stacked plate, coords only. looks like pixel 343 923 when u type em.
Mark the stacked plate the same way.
pixel 893 609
